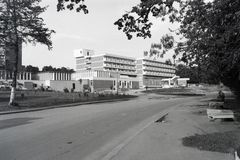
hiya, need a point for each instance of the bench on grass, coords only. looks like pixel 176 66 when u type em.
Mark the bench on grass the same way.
pixel 219 114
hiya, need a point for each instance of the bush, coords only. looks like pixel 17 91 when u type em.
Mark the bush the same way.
pixel 66 90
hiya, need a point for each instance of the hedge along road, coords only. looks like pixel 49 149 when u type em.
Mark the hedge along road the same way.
pixel 77 132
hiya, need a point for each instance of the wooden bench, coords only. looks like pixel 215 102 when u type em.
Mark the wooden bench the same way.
pixel 219 114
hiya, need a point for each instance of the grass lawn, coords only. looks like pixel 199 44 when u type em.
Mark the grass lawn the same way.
pixel 224 142
pixel 34 99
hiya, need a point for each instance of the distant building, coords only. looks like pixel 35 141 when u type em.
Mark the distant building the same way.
pixel 148 72
pixel 86 60
pixel 151 72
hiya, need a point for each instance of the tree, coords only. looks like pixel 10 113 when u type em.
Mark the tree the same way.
pixel 20 22
pixel 168 62
pixel 212 38
pixel 54 69
pixel 137 20
pixel 48 68
pixel 32 69
pixel 161 48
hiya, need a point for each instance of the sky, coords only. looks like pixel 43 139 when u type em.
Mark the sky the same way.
pixel 94 31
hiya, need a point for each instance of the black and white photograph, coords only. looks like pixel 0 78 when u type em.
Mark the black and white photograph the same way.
pixel 119 80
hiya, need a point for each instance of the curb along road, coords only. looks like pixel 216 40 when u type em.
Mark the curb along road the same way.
pixel 61 106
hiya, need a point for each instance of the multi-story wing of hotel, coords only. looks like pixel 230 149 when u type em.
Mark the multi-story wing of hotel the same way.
pixel 146 72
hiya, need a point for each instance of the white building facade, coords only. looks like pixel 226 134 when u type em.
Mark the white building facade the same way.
pixel 148 72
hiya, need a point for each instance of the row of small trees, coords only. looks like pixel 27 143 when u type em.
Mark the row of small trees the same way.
pixel 35 69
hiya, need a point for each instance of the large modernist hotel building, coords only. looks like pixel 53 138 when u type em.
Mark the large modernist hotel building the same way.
pixel 100 72
pixel 144 71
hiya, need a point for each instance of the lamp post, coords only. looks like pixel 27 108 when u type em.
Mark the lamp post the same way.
pixel 117 83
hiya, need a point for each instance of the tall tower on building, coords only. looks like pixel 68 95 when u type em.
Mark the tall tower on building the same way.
pixel 7 56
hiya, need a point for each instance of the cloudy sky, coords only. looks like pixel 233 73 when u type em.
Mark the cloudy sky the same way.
pixel 92 31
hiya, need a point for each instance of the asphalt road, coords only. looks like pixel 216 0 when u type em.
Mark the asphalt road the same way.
pixel 76 133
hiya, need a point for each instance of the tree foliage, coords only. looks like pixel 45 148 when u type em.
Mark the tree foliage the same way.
pixel 71 4
pixel 54 69
pixel 160 49
pixel 185 71
pixel 168 62
pixel 32 69
pixel 23 15
pixel 137 20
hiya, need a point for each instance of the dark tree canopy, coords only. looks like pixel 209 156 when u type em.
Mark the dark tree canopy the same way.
pixel 30 68
pixel 137 20
pixel 169 62
pixel 23 15
pixel 54 69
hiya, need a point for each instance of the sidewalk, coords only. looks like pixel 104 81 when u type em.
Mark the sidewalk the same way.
pixel 162 140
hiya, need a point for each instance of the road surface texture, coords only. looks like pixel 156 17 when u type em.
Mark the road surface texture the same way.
pixel 80 132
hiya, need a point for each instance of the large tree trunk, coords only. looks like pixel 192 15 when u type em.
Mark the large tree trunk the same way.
pixel 15 71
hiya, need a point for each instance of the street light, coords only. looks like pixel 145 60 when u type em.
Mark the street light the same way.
pixel 117 83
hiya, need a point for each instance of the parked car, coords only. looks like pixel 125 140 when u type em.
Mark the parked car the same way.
pixel 5 88
pixel 20 87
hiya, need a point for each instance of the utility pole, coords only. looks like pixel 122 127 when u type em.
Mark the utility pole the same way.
pixel 117 83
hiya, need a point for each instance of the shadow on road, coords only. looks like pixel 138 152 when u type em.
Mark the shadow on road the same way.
pixel 8 123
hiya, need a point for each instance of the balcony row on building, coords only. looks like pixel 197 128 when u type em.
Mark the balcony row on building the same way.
pixel 115 60
pixel 160 74
pixel 158 69
pixel 149 62
pixel 121 66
